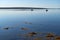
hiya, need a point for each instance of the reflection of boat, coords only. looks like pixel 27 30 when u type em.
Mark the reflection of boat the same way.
pixel 31 9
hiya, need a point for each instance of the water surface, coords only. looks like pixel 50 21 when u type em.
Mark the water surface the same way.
pixel 40 21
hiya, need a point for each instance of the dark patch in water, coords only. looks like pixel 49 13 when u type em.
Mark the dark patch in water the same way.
pixel 6 28
pixel 24 29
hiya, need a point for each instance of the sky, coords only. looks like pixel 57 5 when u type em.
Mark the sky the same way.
pixel 30 3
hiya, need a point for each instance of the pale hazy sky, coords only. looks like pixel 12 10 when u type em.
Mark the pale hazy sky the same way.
pixel 30 3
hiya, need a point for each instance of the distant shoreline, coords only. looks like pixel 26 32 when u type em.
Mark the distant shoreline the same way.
pixel 21 8
pixel 25 8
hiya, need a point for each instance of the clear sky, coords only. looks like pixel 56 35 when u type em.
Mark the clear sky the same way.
pixel 30 3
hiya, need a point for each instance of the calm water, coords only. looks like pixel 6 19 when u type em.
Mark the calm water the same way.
pixel 41 21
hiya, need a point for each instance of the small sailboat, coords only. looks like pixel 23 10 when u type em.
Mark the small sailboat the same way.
pixel 46 10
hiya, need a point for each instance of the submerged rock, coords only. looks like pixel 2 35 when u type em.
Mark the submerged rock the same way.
pixel 28 23
pixel 38 38
pixel 57 38
pixel 32 34
pixel 50 35
pixel 24 29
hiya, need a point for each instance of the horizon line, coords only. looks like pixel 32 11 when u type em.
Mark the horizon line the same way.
pixel 26 8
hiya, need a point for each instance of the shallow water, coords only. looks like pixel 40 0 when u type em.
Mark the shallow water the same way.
pixel 34 21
